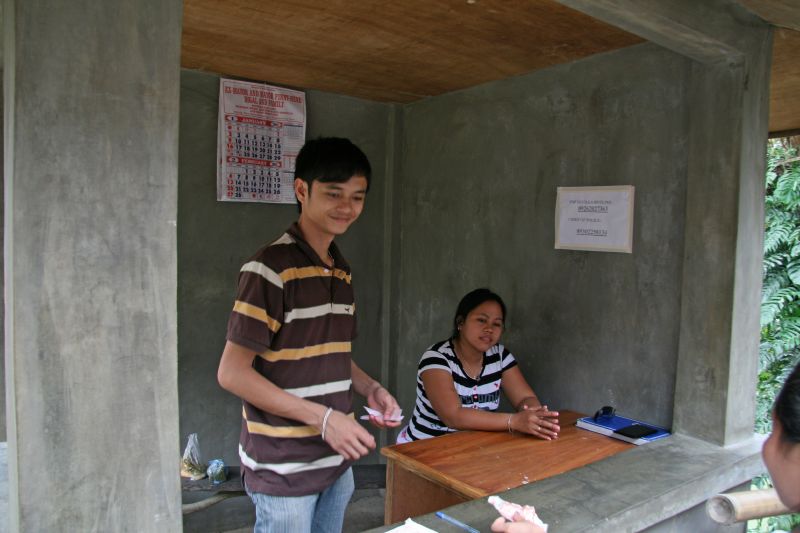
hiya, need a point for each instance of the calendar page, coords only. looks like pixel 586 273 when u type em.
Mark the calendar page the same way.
pixel 261 130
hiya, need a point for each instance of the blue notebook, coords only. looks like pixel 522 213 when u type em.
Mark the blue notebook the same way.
pixel 631 429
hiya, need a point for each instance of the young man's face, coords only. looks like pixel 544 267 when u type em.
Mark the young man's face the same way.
pixel 330 208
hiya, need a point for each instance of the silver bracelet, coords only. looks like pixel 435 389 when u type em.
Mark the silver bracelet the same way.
pixel 509 424
pixel 325 421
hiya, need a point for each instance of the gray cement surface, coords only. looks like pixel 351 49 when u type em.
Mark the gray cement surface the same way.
pixel 658 485
pixel 365 510
pixel 4 487
pixel 623 117
pixel 91 356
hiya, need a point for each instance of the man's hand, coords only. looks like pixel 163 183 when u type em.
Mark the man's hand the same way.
pixel 347 437
pixel 380 400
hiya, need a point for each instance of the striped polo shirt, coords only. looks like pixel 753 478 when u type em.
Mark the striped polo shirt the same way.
pixel 483 393
pixel 298 316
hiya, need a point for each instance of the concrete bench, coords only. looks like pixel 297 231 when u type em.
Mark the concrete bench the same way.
pixel 660 486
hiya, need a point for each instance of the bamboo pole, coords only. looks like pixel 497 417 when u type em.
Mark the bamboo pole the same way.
pixel 740 506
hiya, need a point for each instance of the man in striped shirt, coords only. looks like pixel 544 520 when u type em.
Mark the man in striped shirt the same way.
pixel 288 354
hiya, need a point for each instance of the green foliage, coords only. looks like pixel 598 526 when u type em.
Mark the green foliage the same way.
pixel 780 300
pixel 771 523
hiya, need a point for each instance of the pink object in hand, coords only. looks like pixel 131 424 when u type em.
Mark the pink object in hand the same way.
pixel 508 510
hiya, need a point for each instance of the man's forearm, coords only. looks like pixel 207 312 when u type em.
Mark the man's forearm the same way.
pixel 362 383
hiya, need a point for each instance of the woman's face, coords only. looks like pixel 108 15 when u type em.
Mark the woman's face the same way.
pixel 783 462
pixel 483 326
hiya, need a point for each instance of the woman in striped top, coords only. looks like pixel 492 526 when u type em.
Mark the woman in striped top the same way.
pixel 459 379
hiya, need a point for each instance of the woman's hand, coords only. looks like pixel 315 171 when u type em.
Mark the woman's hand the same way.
pixel 538 421
pixel 380 399
pixel 517 526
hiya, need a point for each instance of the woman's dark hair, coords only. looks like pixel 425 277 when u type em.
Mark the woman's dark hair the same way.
pixel 787 407
pixel 471 301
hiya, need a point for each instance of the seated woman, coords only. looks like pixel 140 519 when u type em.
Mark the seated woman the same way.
pixel 782 448
pixel 459 379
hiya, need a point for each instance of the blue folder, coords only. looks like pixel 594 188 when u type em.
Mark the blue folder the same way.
pixel 608 425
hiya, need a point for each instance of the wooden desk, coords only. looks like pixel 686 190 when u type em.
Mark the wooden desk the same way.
pixel 427 475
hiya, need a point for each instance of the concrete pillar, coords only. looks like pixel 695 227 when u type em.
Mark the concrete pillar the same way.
pixel 721 289
pixel 91 143
pixel 722 272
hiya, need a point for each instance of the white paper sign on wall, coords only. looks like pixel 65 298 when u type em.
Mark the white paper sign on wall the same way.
pixel 597 219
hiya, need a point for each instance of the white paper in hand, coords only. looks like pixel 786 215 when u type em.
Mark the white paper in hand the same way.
pixel 396 416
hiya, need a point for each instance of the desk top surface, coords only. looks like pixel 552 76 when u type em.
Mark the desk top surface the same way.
pixel 478 463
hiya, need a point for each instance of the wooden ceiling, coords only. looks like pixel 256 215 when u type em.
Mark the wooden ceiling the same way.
pixel 784 100
pixel 402 51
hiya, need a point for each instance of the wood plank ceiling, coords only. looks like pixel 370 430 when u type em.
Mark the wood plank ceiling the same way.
pixel 394 51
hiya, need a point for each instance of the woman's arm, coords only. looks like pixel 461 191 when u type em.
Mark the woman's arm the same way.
pixel 440 390
pixel 520 394
pixel 517 390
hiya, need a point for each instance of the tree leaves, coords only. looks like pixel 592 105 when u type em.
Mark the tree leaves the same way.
pixel 780 297
pixel 779 350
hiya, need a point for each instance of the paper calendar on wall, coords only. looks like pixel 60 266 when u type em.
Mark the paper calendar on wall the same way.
pixel 261 129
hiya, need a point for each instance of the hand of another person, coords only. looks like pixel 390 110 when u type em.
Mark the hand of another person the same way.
pixel 537 421
pixel 347 437
pixel 517 526
pixel 381 400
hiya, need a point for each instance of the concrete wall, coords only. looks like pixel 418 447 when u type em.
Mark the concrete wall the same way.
pixel 469 183
pixel 727 101
pixel 215 238
pixel 91 94
pixel 588 328
pixel 479 174
pixel 91 137
pixel 3 433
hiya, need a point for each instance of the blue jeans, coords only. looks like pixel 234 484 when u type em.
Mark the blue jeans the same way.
pixel 318 513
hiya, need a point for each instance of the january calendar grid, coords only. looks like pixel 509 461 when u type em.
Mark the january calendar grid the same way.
pixel 260 132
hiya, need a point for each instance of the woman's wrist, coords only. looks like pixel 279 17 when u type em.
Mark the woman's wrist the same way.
pixel 530 402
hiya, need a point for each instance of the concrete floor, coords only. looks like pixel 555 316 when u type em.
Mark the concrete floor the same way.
pixel 364 512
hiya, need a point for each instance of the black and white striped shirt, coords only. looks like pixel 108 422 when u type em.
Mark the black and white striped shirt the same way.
pixel 483 393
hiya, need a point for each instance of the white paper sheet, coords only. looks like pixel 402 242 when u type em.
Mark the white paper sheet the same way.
pixel 412 527
pixel 595 218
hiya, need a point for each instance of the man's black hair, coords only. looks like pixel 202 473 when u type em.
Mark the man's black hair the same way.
pixel 331 159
